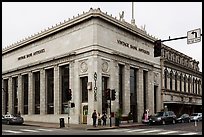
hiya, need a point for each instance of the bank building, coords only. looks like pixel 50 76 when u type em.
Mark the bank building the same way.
pixel 87 55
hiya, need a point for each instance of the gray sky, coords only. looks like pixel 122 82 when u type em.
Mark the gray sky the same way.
pixel 161 19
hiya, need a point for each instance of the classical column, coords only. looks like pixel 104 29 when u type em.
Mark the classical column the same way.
pixel 31 97
pixel 114 80
pixel 20 95
pixel 3 98
pixel 43 106
pixel 57 97
pixel 140 96
pixel 126 94
pixel 11 96
pixel 150 91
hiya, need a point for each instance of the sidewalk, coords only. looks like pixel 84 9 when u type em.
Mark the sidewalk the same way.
pixel 81 126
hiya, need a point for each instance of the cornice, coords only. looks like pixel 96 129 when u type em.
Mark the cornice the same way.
pixel 97 13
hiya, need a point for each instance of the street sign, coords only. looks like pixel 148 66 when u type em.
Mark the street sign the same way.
pixel 194 36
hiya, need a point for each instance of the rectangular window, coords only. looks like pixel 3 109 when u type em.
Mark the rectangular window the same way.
pixel 50 90
pixel 84 81
pixel 36 77
pixel 64 73
pixel 133 93
pixel 145 73
pixel 104 100
pixel 15 93
pixel 25 93
pixel 121 83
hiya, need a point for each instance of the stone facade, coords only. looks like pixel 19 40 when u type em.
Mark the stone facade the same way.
pixel 95 46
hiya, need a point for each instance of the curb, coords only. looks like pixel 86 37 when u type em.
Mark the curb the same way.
pixel 81 127
pixel 115 127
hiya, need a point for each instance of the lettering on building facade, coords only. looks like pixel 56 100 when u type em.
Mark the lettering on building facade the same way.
pixel 132 47
pixel 31 54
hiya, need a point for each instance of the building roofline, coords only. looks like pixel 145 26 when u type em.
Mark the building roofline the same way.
pixel 70 22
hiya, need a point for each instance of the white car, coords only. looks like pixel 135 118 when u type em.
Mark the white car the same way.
pixel 196 117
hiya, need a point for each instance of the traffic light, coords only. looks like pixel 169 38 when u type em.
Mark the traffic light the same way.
pixel 157 48
pixel 69 94
pixel 113 96
pixel 107 94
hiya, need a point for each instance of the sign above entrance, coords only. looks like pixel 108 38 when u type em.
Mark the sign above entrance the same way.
pixel 132 47
pixel 31 54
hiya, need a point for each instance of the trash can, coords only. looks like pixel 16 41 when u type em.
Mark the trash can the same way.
pixel 61 122
pixel 117 121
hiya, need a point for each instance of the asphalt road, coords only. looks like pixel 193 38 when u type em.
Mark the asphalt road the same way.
pixel 177 129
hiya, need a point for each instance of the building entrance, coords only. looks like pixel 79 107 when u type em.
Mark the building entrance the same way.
pixel 84 112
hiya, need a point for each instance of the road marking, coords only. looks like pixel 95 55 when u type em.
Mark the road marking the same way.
pixel 11 131
pixel 136 130
pixel 29 130
pixel 44 129
pixel 167 132
pixel 151 131
pixel 190 133
pixel 115 130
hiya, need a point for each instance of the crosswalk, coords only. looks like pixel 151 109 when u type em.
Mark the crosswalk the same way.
pixel 153 131
pixel 139 131
pixel 25 130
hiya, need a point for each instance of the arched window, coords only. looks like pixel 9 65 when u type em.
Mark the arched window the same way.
pixel 176 77
pixel 193 85
pixel 165 78
pixel 185 80
pixel 181 82
pixel 171 76
pixel 189 83
pixel 196 85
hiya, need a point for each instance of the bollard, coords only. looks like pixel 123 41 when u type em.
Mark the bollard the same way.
pixel 195 123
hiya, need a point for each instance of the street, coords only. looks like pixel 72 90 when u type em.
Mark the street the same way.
pixel 177 129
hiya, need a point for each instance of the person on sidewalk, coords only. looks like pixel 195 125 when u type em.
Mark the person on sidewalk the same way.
pixel 104 117
pixel 99 119
pixel 94 116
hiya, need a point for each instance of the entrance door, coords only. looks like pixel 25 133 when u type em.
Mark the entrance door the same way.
pixel 84 113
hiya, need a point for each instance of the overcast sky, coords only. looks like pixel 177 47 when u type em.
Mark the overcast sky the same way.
pixel 161 19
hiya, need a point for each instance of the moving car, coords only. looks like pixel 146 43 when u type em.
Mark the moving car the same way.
pixel 196 117
pixel 184 118
pixel 163 118
pixel 12 119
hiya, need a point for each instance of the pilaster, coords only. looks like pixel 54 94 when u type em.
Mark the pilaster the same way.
pixel 31 97
pixel 57 102
pixel 126 97
pixel 11 96
pixel 43 105
pixel 20 95
pixel 140 94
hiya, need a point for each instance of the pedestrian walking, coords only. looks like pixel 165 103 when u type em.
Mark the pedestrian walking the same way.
pixel 94 116
pixel 99 119
pixel 104 117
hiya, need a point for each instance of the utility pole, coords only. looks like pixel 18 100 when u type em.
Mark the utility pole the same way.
pixel 110 114
pixel 133 20
pixel 68 113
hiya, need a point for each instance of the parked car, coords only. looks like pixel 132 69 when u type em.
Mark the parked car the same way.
pixel 163 118
pixel 183 118
pixel 12 119
pixel 196 117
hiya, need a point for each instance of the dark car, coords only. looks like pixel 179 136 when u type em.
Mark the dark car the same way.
pixel 12 119
pixel 163 118
pixel 184 118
